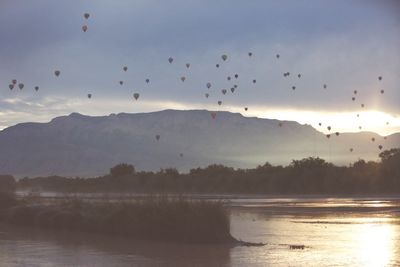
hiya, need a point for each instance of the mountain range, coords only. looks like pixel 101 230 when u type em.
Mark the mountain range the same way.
pixel 79 145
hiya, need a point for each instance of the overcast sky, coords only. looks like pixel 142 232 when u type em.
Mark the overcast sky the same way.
pixel 344 44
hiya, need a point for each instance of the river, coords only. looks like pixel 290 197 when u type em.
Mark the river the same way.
pixel 333 231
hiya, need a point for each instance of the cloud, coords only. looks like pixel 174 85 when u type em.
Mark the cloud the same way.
pixel 345 45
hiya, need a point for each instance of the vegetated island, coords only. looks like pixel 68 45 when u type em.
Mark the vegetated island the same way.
pixel 156 219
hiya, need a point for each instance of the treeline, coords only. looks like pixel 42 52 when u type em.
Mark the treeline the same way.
pixel 305 176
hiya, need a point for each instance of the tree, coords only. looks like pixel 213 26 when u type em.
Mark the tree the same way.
pixel 122 169
pixel 391 168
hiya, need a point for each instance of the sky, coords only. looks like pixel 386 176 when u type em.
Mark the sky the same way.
pixel 345 44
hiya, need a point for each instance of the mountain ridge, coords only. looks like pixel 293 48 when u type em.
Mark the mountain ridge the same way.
pixel 82 145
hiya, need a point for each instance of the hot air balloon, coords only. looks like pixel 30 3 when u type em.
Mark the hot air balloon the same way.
pixel 373 139
pixel 170 59
pixel 277 55
pixel 220 103
pixel 358 115
pixel 351 149
pixel 254 81
pixel 223 91
pixel 14 81
pixel 355 92
pixel 121 82
pixel 246 108
pixel 84 28
pixel 380 147
pixel 320 124
pixel 183 78
pixel 208 85
pixel 329 128
pixel 233 89
pixel 325 86
pixel 181 155
pixel 328 136
pixel 21 86
pixel 213 114
pixel 57 73
pixel 293 87
pixel 353 98
pixel 207 95
pixel 36 88
pixel 236 76
pixel 136 96
pixel 250 54
pixel 380 78
pixel 228 78
pixel 382 91
pixel 11 86
pixel 362 105
pixel 299 75
pixel 337 133
pixel 217 65
pixel 147 80
pixel 187 65
pixel 235 86
pixel 86 15
pixel 280 124
pixel 125 68
pixel 89 96
pixel 284 74
pixel 224 57
pixel 157 137
pixel 359 127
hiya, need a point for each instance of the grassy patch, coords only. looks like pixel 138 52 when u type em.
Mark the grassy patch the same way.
pixel 161 218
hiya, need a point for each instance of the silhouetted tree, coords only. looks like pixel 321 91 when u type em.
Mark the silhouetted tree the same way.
pixel 122 170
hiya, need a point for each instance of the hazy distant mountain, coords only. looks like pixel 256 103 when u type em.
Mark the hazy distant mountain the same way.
pixel 83 145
